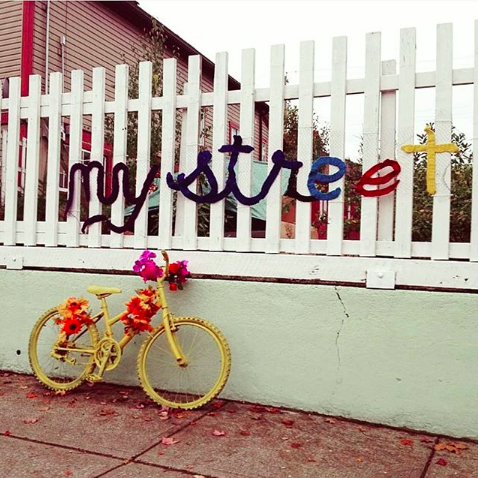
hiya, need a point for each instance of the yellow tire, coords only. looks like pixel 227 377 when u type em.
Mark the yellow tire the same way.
pixel 203 378
pixel 63 369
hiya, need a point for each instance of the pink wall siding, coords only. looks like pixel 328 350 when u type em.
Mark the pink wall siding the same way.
pixel 96 35
pixel 10 38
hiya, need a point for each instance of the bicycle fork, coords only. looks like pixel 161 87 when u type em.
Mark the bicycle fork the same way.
pixel 171 339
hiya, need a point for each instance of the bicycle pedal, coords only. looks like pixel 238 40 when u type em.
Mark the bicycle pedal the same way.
pixel 94 378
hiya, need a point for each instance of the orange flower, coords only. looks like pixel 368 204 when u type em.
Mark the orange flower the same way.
pixel 71 326
pixel 73 306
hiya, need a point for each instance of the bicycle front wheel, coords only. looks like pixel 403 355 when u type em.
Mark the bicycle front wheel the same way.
pixel 61 365
pixel 208 363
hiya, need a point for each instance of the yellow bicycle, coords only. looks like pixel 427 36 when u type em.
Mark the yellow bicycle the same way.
pixel 183 363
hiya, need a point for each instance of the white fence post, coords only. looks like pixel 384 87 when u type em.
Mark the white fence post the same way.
pixel 74 156
pixel 406 105
pixel 220 113
pixel 11 167
pixel 372 90
pixel 120 130
pixel 168 141
pixel 276 122
pixel 32 160
pixel 387 151
pixel 143 150
pixel 302 232
pixel 53 165
pixel 475 166
pixel 97 151
pixel 245 161
pixel 192 135
pixel 180 199
pixel 441 210
pixel 337 143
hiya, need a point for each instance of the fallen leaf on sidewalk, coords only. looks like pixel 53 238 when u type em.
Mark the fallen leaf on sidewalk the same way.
pixel 296 445
pixel 163 415
pixel 257 409
pixel 44 409
pixel 181 415
pixel 273 410
pixel 168 441
pixel 218 404
pixel 450 446
pixel 441 462
pixel 330 420
pixel 311 459
pixel 60 393
pixel 427 440
pixel 359 459
pixel 231 410
pixel 407 442
pixel 7 433
pixel 287 422
pixel 31 395
pixel 218 433
pixel 68 473
pixel 23 387
pixel 107 411
pixel 245 433
pixel 30 421
pixel 198 476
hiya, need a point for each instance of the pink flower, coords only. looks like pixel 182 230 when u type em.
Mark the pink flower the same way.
pixel 150 271
pixel 145 266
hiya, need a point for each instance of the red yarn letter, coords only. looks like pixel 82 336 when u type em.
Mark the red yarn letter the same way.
pixel 368 179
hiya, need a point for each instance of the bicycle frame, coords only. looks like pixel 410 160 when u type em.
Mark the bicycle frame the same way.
pixel 166 321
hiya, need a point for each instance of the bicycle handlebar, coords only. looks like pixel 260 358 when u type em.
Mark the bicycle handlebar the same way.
pixel 166 267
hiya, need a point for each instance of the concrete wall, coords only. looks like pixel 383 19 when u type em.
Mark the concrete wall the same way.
pixel 403 358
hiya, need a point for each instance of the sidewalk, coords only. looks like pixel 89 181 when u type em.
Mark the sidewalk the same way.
pixel 115 432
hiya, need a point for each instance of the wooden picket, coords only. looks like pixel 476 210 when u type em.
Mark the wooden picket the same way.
pixel 387 151
pixel 337 140
pixel 220 113
pixel 30 208
pixel 442 198
pixel 53 161
pixel 474 212
pixel 97 144
pixel 190 221
pixel 245 166
pixel 386 222
pixel 143 148
pixel 276 120
pixel 405 135
pixel 11 166
pixel 168 138
pixel 369 205
pixel 305 144
pixel 74 156
pixel 119 146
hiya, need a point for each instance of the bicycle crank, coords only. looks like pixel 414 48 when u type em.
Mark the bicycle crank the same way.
pixel 108 350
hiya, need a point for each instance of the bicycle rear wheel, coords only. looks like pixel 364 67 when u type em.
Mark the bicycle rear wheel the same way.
pixel 205 374
pixel 61 366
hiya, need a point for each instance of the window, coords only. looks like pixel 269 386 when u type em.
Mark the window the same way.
pixel 85 158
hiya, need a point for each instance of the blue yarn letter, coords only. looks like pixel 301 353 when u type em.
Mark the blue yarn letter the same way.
pixel 315 176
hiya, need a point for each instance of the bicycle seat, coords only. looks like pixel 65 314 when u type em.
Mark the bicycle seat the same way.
pixel 100 291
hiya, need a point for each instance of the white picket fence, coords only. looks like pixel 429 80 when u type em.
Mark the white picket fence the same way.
pixel 385 222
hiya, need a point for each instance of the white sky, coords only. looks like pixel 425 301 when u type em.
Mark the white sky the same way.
pixel 230 25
